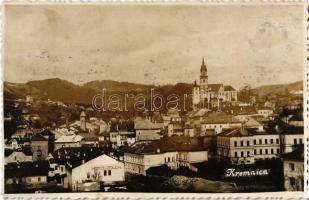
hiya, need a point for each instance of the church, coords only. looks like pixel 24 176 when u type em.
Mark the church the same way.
pixel 204 95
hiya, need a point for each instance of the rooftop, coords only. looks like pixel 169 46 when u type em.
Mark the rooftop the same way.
pixel 170 144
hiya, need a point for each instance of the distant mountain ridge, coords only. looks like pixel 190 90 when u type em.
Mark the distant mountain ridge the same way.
pixel 61 90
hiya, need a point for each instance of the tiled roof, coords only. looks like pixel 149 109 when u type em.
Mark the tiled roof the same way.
pixel 148 135
pixel 252 123
pixel 237 132
pixel 26 169
pixel 74 156
pixel 228 88
pixel 170 144
pixel 38 137
pixel 214 87
pixel 146 124
pixel 69 138
pixel 219 118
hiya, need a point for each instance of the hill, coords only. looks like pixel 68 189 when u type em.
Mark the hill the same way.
pixel 277 89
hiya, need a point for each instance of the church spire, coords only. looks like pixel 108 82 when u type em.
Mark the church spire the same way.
pixel 203 68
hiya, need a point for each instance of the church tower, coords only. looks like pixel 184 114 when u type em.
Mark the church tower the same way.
pixel 203 77
pixel 82 120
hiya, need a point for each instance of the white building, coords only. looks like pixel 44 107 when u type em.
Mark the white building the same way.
pixel 218 121
pixel 172 151
pixel 291 137
pixel 245 146
pixel 102 169
pixel 69 140
pixel 293 170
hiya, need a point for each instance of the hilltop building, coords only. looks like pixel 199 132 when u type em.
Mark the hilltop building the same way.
pixel 204 94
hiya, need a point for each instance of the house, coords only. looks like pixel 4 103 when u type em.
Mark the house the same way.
pixel 189 131
pixel 293 170
pixel 69 140
pixel 17 156
pixel 175 128
pixel 23 176
pixel 122 138
pixel 39 147
pixel 253 124
pixel 172 115
pixel 218 121
pixel 235 145
pixel 245 146
pixel 172 151
pixel 296 120
pixel 146 127
pixel 265 111
pixel 291 136
pixel 148 135
pixel 102 170
pixel 242 113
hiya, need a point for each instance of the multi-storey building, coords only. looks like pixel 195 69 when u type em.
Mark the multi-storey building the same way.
pixel 245 146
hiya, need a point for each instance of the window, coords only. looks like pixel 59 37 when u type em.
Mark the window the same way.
pixel 292 182
pixel 39 179
pixel 260 141
pixel 241 154
pixel 254 151
pixel 300 141
pixel 236 155
pixel 254 142
pixel 272 151
pixel 241 143
pixel 277 141
pixel 265 141
pixel 88 175
pixel 278 151
pixel 261 151
pixel 56 167
pixel 105 172
pixel 109 172
pixel 292 166
pixel 295 141
pixel 248 143
pixel 235 144
pixel 168 159
pixel 271 141
pixel 248 153
pixel 266 151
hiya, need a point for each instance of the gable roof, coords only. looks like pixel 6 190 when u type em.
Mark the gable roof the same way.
pixel 148 135
pixel 228 88
pixel 38 137
pixel 214 87
pixel 69 138
pixel 252 123
pixel 146 124
pixel 238 132
pixel 219 118
pixel 26 169
pixel 170 144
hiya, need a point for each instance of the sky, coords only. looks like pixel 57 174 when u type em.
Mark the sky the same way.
pixel 155 44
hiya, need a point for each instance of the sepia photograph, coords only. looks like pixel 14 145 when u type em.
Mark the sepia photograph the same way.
pixel 154 98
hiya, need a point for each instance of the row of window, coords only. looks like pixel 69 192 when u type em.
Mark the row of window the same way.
pixel 300 141
pixel 256 152
pixel 256 142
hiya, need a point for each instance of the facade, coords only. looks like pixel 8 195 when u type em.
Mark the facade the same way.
pixel 291 136
pixel 28 174
pixel 293 170
pixel 172 152
pixel 39 147
pixel 69 140
pixel 17 156
pixel 219 121
pixel 245 146
pixel 102 169
pixel 204 92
